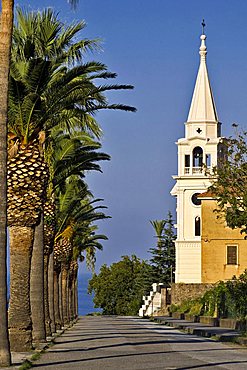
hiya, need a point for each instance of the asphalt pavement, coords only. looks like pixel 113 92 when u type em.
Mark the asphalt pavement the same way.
pixel 116 343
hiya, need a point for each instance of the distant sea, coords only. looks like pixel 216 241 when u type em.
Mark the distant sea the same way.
pixel 85 300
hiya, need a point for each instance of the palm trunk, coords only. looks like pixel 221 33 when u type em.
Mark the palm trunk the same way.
pixel 64 281
pixel 49 234
pixel 5 46
pixel 60 298
pixel 71 299
pixel 73 289
pixel 46 296
pixel 76 296
pixel 57 316
pixel 37 285
pixel 51 292
pixel 70 316
pixel 20 324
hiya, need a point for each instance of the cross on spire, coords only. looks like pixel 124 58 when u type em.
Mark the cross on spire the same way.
pixel 202 108
pixel 203 26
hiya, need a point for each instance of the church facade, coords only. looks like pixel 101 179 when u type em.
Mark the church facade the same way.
pixel 202 146
pixel 224 250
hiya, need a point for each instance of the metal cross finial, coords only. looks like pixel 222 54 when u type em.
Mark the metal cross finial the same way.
pixel 203 26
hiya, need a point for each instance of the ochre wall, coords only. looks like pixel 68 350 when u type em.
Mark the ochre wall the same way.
pixel 215 237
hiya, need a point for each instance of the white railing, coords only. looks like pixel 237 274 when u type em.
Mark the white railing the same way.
pixel 196 170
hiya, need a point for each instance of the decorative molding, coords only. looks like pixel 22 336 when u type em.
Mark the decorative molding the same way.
pixel 186 244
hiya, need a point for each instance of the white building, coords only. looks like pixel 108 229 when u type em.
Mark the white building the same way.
pixel 201 146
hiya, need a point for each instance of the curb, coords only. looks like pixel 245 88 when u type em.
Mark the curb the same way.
pixel 206 331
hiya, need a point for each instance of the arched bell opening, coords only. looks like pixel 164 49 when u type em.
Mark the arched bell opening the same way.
pixel 197 159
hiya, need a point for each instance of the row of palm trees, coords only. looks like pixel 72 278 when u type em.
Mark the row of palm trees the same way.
pixel 53 140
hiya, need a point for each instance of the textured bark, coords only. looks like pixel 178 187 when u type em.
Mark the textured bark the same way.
pixel 20 324
pixel 62 254
pixel 46 297
pixel 27 181
pixel 49 234
pixel 5 46
pixel 76 295
pixel 37 285
pixel 64 286
pixel 60 298
pixel 51 293
pixel 58 322
pixel 70 316
pixel 71 299
pixel 73 290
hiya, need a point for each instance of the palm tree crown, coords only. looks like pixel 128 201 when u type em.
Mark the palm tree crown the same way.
pixel 49 84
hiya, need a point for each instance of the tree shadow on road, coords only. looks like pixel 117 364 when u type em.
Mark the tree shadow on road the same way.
pixel 99 358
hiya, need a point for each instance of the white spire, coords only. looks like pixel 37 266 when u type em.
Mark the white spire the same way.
pixel 202 108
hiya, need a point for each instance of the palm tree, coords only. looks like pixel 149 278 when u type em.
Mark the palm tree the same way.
pixel 68 154
pixel 159 226
pixel 5 46
pixel 76 212
pixel 7 15
pixel 46 90
pixel 85 241
pixel 76 153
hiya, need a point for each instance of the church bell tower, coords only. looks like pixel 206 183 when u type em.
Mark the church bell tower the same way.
pixel 200 147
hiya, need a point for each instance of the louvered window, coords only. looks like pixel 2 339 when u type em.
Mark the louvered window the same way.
pixel 232 258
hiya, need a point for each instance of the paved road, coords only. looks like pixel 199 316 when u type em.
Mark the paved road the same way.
pixel 116 343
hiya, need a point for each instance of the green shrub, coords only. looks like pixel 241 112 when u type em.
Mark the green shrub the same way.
pixel 196 308
pixel 173 308
pixel 185 306
pixel 227 299
pixel 192 307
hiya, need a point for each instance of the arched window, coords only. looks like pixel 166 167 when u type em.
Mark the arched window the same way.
pixel 197 156
pixel 197 226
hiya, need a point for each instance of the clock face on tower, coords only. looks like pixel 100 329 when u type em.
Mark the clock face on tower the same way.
pixel 195 200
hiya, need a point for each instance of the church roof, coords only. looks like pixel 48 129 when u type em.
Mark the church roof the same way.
pixel 202 108
pixel 206 195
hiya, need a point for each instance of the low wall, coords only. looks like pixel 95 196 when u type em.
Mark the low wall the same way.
pixel 208 320
pixel 192 318
pixel 182 292
pixel 234 324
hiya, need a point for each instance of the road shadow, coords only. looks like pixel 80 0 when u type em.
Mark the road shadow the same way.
pixel 98 358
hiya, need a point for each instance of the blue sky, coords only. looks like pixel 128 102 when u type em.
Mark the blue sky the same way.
pixel 154 46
